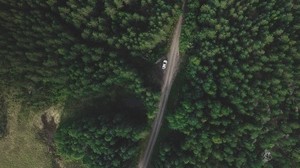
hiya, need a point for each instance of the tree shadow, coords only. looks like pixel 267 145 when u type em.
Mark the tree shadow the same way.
pixel 115 104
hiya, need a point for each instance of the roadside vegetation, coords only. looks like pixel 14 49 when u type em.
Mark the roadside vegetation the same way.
pixel 241 91
pixel 56 50
pixel 105 134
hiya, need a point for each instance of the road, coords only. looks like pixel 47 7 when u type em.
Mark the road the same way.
pixel 170 73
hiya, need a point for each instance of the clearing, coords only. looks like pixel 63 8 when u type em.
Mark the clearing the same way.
pixel 22 147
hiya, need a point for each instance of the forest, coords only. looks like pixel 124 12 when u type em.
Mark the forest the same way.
pixel 241 91
pixel 107 135
pixel 239 94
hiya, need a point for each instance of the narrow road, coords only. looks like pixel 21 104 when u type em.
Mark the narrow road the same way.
pixel 171 70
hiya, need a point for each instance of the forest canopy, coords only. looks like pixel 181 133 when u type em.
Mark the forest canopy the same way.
pixel 240 92
pixel 57 49
pixel 105 133
pixel 240 97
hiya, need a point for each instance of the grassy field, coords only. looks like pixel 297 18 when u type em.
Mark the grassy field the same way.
pixel 22 148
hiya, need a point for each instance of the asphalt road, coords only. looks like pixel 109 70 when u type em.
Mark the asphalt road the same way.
pixel 170 73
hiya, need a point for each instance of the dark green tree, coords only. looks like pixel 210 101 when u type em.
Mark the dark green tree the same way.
pixel 100 142
pixel 241 86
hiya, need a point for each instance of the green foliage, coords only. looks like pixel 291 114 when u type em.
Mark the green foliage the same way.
pixel 103 130
pixel 60 50
pixel 241 89
pixel 55 50
pixel 100 142
pixel 105 139
pixel 240 95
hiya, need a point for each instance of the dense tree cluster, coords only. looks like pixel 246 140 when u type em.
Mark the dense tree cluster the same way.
pixel 241 91
pixel 241 95
pixel 100 142
pixel 55 49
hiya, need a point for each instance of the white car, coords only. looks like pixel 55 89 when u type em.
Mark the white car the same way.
pixel 164 65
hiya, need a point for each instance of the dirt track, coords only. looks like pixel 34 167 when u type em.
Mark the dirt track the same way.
pixel 171 70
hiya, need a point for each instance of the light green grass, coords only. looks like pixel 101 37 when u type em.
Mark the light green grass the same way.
pixel 21 148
